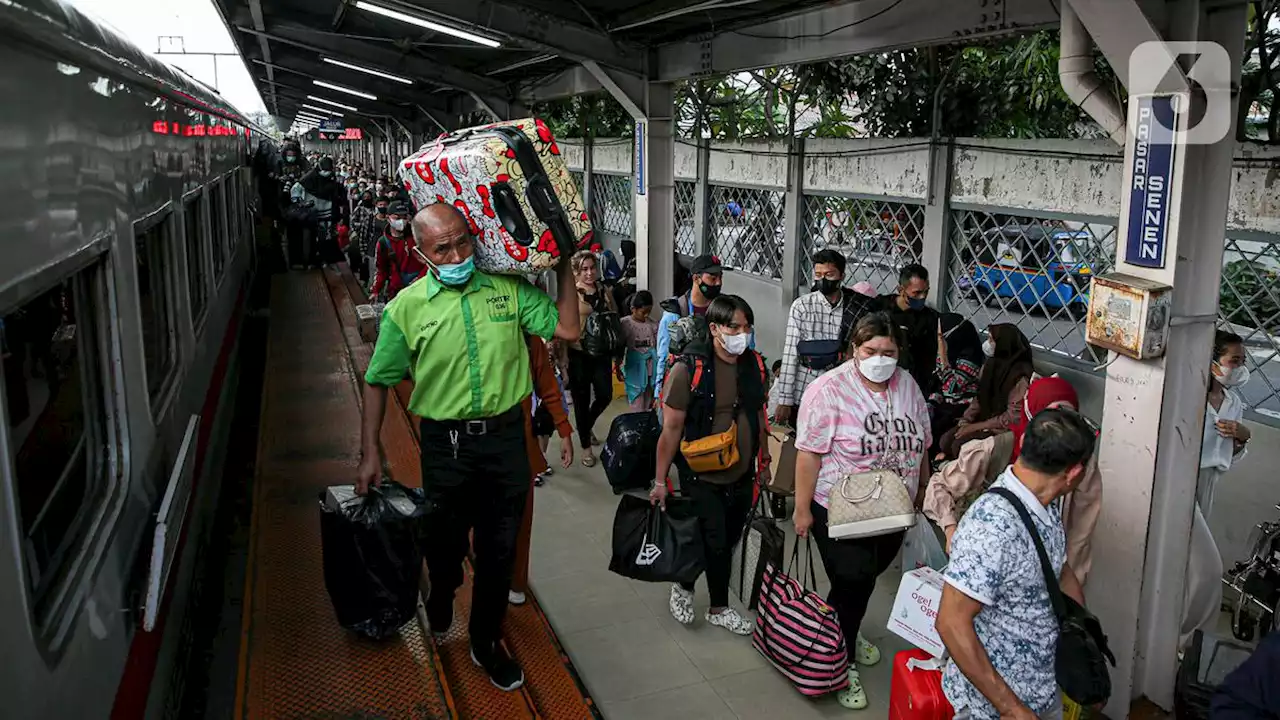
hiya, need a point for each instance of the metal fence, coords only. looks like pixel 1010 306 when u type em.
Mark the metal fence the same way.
pixel 611 204
pixel 877 238
pixel 577 180
pixel 1031 270
pixel 1249 305
pixel 686 209
pixel 746 228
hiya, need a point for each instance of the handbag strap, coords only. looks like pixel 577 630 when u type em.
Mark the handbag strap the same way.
pixel 812 583
pixel 1050 577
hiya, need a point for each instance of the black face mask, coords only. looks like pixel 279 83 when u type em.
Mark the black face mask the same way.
pixel 826 286
pixel 710 292
pixel 382 210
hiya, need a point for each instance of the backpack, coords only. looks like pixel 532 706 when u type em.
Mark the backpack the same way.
pixel 602 336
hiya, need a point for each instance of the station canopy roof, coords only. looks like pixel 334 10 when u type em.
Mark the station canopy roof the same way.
pixel 423 63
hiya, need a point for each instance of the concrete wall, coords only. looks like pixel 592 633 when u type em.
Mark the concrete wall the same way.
pixel 743 164
pixel 1255 189
pixel 571 150
pixel 612 155
pixel 686 161
pixel 895 168
pixel 765 298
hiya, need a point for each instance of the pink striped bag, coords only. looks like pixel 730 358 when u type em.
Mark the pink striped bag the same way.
pixel 798 632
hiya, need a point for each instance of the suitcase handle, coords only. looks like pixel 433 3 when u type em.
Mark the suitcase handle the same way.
pixel 507 206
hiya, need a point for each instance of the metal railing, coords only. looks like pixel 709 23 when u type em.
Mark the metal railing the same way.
pixel 746 228
pixel 1029 269
pixel 686 209
pixel 1249 305
pixel 611 204
pixel 577 180
pixel 877 237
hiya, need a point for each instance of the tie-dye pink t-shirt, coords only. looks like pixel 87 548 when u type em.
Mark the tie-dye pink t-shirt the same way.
pixel 856 430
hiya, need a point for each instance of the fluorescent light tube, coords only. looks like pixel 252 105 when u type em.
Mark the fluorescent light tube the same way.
pixel 369 71
pixel 342 89
pixel 317 98
pixel 425 23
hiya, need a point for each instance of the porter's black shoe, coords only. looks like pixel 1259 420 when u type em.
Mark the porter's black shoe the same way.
pixel 504 672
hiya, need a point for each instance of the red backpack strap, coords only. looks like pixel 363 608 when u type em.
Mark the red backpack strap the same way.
pixel 764 375
pixel 695 376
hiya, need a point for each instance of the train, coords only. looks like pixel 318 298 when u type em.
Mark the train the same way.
pixel 127 246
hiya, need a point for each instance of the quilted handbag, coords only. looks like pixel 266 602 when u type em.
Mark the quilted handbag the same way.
pixel 798 632
pixel 867 504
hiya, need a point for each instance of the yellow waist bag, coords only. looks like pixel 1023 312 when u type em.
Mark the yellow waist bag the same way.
pixel 713 453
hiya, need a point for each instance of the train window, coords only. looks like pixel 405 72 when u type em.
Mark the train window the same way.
pixel 153 248
pixel 197 265
pixel 218 225
pixel 58 424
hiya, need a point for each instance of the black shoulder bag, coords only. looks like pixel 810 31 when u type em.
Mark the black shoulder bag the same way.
pixel 822 355
pixel 1082 654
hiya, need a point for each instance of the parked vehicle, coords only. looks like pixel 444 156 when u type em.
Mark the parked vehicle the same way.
pixel 1033 265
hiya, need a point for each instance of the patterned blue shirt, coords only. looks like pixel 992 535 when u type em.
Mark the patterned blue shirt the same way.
pixel 994 561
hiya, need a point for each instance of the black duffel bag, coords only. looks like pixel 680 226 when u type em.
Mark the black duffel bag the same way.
pixel 372 561
pixel 630 453
pixel 1081 660
pixel 654 545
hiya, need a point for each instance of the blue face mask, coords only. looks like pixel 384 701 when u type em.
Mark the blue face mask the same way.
pixel 915 303
pixel 456 274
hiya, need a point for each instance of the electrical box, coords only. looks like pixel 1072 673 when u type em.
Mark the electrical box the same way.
pixel 1129 315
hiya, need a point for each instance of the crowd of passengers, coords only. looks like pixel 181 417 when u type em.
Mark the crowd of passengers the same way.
pixel 867 382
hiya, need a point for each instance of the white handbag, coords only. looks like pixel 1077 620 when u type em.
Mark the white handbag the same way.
pixel 871 503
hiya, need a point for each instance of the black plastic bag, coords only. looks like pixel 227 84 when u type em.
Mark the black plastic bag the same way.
pixel 630 452
pixel 372 562
pixel 656 546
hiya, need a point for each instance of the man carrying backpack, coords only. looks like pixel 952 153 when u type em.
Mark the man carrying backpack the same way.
pixel 396 265
pixel 713 427
pixel 708 276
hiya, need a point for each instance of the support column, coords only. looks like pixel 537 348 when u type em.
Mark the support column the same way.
pixel 1154 410
pixel 655 187
pixel 588 168
pixel 701 197
pixel 937 220
pixel 793 224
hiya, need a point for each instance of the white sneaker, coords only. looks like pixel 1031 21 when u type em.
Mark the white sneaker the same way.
pixel 730 620
pixel 681 604
pixel 516 598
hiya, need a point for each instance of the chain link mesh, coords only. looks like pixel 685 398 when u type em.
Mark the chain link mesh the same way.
pixel 611 204
pixel 746 228
pixel 577 180
pixel 877 237
pixel 1029 271
pixel 686 210
pixel 1249 305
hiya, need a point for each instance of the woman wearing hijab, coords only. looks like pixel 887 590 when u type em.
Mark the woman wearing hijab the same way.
pixel 958 369
pixel 1006 374
pixel 957 484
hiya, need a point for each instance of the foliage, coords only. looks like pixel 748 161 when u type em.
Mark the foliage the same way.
pixel 1260 79
pixel 1249 291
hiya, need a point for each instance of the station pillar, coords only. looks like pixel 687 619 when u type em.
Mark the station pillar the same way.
pixel 1154 409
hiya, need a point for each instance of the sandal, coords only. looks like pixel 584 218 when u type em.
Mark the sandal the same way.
pixel 589 460
pixel 853 697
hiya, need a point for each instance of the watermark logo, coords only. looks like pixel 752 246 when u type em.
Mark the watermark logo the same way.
pixel 1154 69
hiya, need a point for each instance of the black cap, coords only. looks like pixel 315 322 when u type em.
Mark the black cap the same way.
pixel 704 264
pixel 326 163
pixel 398 207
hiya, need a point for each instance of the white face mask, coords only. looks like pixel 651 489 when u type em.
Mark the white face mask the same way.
pixel 736 344
pixel 878 368
pixel 397 225
pixel 1234 377
pixel 989 347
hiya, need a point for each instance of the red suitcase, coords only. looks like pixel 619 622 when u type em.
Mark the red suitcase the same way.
pixel 916 694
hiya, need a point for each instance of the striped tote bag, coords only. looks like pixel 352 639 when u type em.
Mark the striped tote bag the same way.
pixel 798 632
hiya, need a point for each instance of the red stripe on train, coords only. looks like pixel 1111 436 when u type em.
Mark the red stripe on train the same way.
pixel 144 652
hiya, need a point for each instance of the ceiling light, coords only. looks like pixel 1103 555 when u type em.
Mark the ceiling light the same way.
pixel 321 110
pixel 330 102
pixel 346 90
pixel 311 118
pixel 369 71
pixel 425 23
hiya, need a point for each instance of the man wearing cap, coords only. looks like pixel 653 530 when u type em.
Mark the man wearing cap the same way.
pixel 460 333
pixel 708 275
pixel 395 263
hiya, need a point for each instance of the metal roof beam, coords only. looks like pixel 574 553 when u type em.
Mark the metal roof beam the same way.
pixel 574 81
pixel 366 107
pixel 434 72
pixel 255 12
pixel 851 28
pixel 535 30
pixel 399 93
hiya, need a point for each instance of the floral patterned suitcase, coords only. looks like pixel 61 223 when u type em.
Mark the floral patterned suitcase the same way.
pixel 510 181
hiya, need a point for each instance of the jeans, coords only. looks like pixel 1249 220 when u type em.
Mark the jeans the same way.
pixel 852 567
pixel 481 491
pixel 722 511
pixel 589 376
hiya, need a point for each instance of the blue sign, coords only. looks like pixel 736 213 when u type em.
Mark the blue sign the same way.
pixel 332 125
pixel 637 162
pixel 1151 182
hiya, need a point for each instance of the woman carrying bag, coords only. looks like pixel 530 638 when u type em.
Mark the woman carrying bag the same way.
pixel 862 427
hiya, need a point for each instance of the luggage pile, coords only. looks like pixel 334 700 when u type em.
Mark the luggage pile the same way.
pixel 511 183
pixel 369 320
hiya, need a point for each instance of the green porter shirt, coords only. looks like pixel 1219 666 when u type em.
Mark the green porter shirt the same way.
pixel 464 346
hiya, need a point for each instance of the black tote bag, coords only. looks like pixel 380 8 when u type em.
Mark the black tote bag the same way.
pixel 653 545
